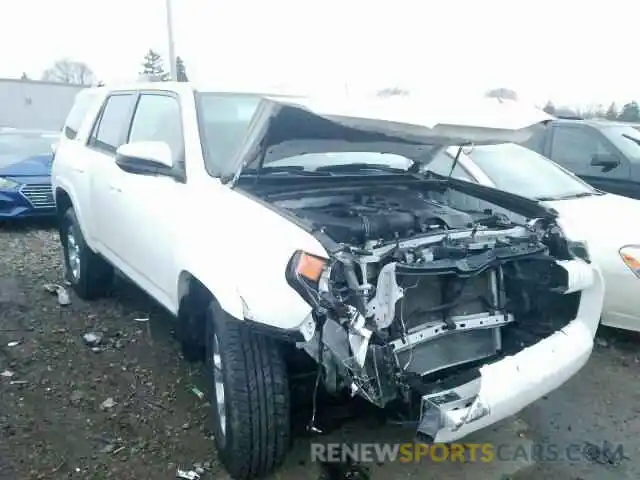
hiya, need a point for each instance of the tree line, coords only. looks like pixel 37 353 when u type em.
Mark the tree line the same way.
pixel 630 112
pixel 74 72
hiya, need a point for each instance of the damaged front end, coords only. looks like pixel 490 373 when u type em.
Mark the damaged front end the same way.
pixel 434 290
pixel 404 321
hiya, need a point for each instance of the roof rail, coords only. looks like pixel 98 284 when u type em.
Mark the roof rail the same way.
pixel 567 114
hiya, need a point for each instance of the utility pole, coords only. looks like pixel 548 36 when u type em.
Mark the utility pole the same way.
pixel 172 50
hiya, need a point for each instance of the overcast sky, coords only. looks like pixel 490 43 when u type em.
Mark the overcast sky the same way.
pixel 569 51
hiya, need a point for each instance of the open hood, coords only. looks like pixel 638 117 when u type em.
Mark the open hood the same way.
pixel 406 126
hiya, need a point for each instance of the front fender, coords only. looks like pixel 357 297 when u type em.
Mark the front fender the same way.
pixel 248 281
pixel 223 289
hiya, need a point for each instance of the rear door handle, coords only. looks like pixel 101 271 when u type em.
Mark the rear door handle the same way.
pixel 115 189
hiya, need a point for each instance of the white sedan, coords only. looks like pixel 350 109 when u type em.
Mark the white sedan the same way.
pixel 607 222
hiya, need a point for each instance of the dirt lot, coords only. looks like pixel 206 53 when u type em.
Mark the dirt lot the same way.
pixel 122 411
pixel 125 409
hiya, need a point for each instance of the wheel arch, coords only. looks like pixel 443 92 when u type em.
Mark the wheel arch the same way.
pixel 194 298
pixel 64 200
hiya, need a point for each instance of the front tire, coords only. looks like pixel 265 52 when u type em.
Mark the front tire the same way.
pixel 90 275
pixel 249 393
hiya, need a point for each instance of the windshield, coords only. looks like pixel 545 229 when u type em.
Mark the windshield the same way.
pixel 336 157
pixel 17 146
pixel 340 161
pixel 626 138
pixel 518 170
pixel 224 119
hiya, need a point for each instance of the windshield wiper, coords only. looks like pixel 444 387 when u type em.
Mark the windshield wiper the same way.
pixel 566 196
pixel 286 169
pixel 359 167
pixel 633 139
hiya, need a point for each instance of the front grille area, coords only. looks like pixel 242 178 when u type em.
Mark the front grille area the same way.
pixel 39 195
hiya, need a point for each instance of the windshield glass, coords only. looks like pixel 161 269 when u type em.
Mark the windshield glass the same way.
pixel 626 138
pixel 518 170
pixel 337 157
pixel 224 119
pixel 17 146
pixel 326 161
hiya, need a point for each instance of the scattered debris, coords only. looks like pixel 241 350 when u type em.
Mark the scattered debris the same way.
pixel 60 291
pixel 146 320
pixel 76 396
pixel 108 404
pixel 601 342
pixel 187 474
pixel 15 343
pixel 344 471
pixel 18 382
pixel 109 448
pixel 7 374
pixel 93 339
pixel 197 392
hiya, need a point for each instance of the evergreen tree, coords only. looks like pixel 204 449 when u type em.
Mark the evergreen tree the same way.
pixel 153 66
pixel 181 71
pixel 612 112
pixel 630 112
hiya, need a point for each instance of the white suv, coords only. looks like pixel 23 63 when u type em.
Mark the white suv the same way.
pixel 281 231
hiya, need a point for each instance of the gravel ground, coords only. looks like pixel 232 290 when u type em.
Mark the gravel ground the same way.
pixel 66 411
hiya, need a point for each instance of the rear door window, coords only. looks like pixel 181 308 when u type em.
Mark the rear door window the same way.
pixel 110 131
pixel 574 147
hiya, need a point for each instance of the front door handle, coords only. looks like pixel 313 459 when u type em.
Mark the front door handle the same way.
pixel 115 189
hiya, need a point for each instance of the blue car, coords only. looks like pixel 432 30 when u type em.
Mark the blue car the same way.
pixel 26 157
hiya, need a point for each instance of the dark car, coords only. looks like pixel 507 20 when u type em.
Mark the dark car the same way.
pixel 603 153
pixel 25 173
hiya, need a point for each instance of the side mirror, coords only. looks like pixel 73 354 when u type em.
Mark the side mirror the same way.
pixel 604 160
pixel 146 158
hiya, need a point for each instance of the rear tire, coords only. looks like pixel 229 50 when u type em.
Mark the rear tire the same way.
pixel 247 377
pixel 90 275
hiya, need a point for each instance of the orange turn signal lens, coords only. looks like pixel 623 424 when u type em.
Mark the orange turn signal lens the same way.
pixel 631 262
pixel 310 266
pixel 631 257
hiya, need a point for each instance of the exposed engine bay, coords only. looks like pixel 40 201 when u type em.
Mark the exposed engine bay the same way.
pixel 418 291
pixel 380 214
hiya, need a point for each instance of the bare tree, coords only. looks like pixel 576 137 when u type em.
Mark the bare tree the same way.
pixel 69 71
pixel 392 92
pixel 502 93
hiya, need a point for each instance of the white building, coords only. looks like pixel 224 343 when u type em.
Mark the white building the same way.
pixel 35 104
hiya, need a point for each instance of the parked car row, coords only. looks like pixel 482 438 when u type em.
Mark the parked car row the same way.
pixel 605 154
pixel 25 173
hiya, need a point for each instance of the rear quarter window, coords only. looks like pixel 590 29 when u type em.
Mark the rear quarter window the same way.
pixel 77 114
